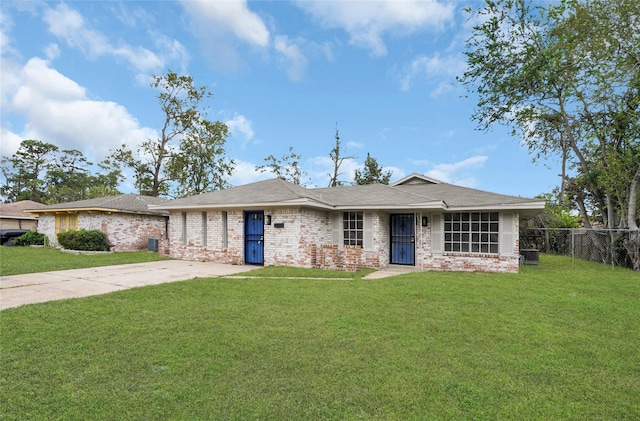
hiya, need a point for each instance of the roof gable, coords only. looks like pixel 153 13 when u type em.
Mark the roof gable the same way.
pixel 416 179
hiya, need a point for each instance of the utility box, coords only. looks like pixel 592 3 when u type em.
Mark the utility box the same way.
pixel 531 256
pixel 153 244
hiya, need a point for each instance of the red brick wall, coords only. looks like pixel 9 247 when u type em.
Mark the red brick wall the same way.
pixel 125 232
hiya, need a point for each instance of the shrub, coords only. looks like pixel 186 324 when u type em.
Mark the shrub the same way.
pixel 86 240
pixel 31 238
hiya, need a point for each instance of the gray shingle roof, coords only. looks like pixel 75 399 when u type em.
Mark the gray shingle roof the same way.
pixel 412 193
pixel 125 203
pixel 259 193
pixel 16 210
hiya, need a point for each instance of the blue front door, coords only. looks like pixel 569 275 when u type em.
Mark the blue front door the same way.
pixel 254 237
pixel 403 239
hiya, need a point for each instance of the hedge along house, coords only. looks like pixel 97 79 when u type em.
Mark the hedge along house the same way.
pixel 416 222
pixel 125 219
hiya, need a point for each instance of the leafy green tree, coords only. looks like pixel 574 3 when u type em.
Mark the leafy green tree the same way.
pixel 155 163
pixel 566 78
pixel 372 173
pixel 105 182
pixel 42 172
pixel 337 159
pixel 200 165
pixel 286 168
pixel 555 215
pixel 23 172
pixel 68 178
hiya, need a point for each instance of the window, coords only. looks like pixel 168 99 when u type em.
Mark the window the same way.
pixel 66 222
pixel 184 228
pixel 473 232
pixel 225 240
pixel 353 229
pixel 204 229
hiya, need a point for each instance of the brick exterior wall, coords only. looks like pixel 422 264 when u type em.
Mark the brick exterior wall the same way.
pixel 307 240
pixel 125 232
pixel 467 262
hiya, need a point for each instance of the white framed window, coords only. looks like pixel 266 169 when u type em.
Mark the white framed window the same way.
pixel 472 232
pixel 225 235
pixel 353 229
pixel 184 228
pixel 204 229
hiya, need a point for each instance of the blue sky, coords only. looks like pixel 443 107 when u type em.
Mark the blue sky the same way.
pixel 283 73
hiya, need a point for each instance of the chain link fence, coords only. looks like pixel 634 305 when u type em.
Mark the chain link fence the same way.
pixel 617 247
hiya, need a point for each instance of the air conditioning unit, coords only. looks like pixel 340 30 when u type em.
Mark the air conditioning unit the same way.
pixel 531 256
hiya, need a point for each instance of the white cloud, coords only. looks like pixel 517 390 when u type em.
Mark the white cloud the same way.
pixel 355 145
pixel 69 25
pixel 458 172
pixel 240 127
pixel 57 110
pixel 6 24
pixel 367 22
pixel 230 16
pixel 220 24
pixel 245 173
pixel 436 67
pixel 292 56
pixel 52 51
pixel 10 142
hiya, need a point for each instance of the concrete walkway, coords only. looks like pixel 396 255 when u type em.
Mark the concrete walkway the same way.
pixel 33 288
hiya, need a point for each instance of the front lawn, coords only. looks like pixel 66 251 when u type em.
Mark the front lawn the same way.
pixel 18 260
pixel 558 341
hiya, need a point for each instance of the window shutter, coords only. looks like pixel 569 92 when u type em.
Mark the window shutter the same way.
pixel 367 234
pixel 506 234
pixel 337 229
pixel 436 233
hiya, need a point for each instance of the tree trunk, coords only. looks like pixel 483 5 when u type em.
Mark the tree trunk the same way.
pixel 632 244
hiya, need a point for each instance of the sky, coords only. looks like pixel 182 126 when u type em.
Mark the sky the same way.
pixel 283 74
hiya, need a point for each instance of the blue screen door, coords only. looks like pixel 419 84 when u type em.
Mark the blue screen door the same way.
pixel 254 237
pixel 403 239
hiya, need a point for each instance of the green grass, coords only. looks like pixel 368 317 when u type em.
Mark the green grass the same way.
pixel 17 260
pixel 291 272
pixel 557 341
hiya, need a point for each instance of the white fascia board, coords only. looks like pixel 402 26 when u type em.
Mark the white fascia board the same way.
pixel 436 205
pixel 74 210
pixel 31 218
pixel 246 205
pixel 501 207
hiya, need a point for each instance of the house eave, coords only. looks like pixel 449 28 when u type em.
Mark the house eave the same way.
pixel 26 217
pixel 436 205
pixel 245 205
pixel 90 210
pixel 523 206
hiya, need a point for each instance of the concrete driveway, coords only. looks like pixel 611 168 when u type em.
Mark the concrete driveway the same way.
pixel 33 288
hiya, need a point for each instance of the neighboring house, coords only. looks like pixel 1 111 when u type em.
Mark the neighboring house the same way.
pixel 13 215
pixel 125 219
pixel 417 222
